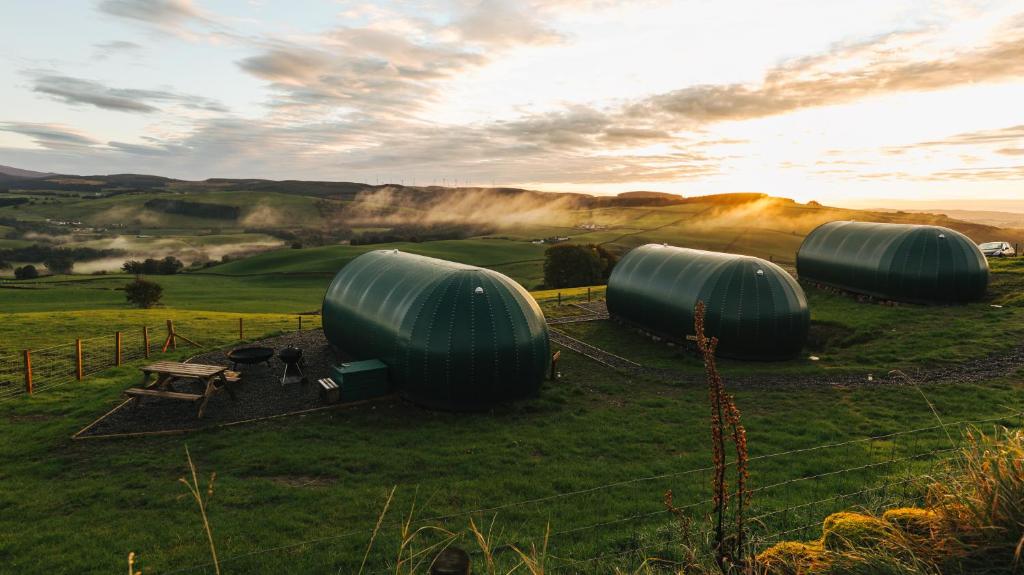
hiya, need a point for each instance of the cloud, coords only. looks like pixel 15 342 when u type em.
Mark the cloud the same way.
pixel 106 50
pixel 370 71
pixel 180 18
pixel 51 136
pixel 157 12
pixel 1000 136
pixel 846 74
pixel 502 23
pixel 77 91
pixel 1009 173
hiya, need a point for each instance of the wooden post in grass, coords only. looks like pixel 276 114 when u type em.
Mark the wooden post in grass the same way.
pixel 300 323
pixel 588 295
pixel 145 341
pixel 169 342
pixel 117 348
pixel 559 298
pixel 79 372
pixel 554 364
pixel 172 338
pixel 241 330
pixel 28 372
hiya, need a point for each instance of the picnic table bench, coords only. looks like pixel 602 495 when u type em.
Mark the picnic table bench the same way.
pixel 212 378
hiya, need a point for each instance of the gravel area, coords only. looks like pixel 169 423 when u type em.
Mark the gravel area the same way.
pixel 260 393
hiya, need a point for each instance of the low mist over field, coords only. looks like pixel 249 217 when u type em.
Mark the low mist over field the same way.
pixel 475 206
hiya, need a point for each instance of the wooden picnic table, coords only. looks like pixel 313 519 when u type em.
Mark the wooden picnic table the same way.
pixel 212 378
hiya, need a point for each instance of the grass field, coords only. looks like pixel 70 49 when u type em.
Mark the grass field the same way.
pixel 850 336
pixel 325 475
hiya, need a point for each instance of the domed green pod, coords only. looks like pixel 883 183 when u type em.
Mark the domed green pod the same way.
pixel 756 309
pixel 895 261
pixel 453 336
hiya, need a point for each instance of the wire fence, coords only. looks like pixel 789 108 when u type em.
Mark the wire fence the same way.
pixel 37 370
pixel 792 492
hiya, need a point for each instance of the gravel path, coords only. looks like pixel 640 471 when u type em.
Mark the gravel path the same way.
pixel 259 395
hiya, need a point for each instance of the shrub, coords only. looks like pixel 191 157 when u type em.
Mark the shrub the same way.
pixel 28 272
pixel 973 523
pixel 142 293
pixel 59 263
pixel 793 558
pixel 576 265
pixel 913 521
pixel 846 530
pixel 170 265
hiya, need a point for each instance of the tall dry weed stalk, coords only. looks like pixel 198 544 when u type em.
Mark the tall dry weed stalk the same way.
pixel 203 503
pixel 725 424
pixel 535 559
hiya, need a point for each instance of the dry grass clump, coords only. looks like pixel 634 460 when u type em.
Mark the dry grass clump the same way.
pixel 973 522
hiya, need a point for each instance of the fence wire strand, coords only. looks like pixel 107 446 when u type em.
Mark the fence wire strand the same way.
pixel 657 509
pixel 57 365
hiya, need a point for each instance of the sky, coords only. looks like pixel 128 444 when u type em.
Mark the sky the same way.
pixel 836 101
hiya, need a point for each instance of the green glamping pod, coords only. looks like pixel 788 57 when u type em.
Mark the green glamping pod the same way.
pixel 926 264
pixel 754 307
pixel 453 336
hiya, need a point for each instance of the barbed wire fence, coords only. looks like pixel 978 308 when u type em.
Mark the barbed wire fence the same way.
pixel 793 491
pixel 38 370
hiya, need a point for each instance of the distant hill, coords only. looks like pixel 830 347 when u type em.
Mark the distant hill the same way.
pixel 987 217
pixel 19 173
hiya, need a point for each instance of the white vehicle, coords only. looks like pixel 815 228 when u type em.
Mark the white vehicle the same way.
pixel 997 250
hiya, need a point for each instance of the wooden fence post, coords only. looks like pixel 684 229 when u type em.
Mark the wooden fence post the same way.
pixel 79 371
pixel 300 323
pixel 554 364
pixel 559 298
pixel 170 342
pixel 28 372
pixel 145 341
pixel 241 330
pixel 588 295
pixel 117 348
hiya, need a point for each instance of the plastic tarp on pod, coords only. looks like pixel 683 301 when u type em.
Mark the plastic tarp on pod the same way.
pixel 756 309
pixel 895 261
pixel 453 336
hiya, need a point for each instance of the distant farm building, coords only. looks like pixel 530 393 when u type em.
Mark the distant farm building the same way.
pixel 453 336
pixel 756 309
pixel 900 262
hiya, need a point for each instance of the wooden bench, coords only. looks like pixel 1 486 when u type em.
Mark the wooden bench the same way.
pixel 211 378
pixel 137 392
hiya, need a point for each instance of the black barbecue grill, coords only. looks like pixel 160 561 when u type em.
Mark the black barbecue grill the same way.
pixel 291 357
pixel 250 356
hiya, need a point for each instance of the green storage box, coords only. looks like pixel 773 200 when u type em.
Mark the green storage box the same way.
pixel 361 379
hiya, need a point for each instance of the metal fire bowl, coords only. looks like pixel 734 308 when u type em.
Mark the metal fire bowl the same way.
pixel 251 355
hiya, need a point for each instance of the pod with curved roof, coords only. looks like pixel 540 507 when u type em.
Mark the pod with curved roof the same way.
pixel 756 309
pixel 453 336
pixel 894 261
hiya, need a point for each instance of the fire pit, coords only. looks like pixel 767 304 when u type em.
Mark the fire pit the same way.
pixel 250 356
